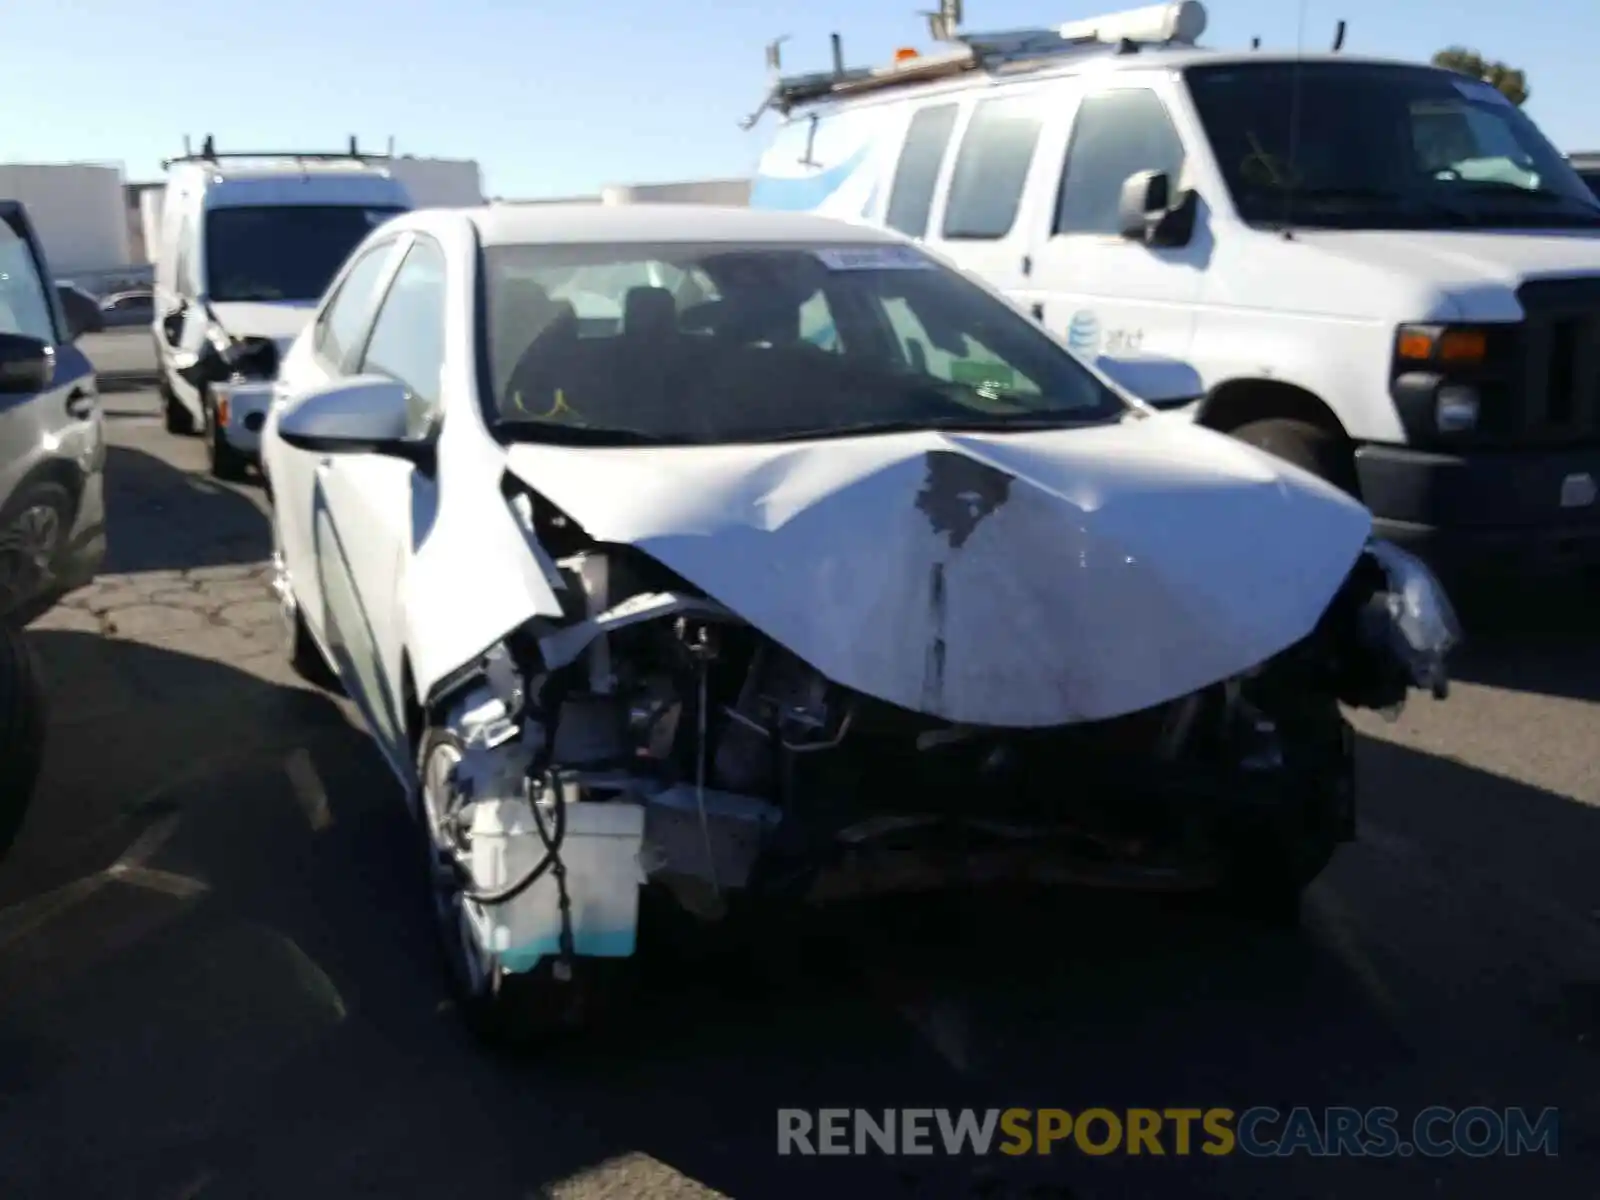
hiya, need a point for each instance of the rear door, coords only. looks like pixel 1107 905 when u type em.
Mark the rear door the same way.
pixel 62 422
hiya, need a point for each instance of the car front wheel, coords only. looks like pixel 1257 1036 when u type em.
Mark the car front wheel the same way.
pixel 507 1011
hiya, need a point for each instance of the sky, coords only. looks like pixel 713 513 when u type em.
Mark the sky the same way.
pixel 560 98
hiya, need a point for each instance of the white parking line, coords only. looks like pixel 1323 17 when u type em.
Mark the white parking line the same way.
pixel 308 789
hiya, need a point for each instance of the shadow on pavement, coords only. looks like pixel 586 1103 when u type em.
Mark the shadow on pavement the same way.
pixel 252 1007
pixel 163 519
pixel 1542 638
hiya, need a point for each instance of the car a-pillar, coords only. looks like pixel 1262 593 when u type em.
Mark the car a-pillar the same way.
pixel 1287 422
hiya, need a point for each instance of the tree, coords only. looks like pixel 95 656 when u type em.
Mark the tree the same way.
pixel 1510 82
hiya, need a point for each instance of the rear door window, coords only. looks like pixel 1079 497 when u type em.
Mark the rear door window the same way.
pixel 911 199
pixel 992 167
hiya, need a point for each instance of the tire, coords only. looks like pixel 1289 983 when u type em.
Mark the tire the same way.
pixel 178 419
pixel 1270 858
pixel 34 526
pixel 1309 447
pixel 507 1012
pixel 224 461
pixel 22 731
pixel 300 648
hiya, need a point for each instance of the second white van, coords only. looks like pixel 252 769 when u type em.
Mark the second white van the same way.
pixel 249 242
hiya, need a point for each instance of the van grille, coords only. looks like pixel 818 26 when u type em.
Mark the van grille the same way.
pixel 1560 400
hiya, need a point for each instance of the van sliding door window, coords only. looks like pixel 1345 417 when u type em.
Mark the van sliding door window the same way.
pixel 1117 134
pixel 992 166
pixel 911 199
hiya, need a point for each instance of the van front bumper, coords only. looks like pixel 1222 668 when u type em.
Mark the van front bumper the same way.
pixel 1532 510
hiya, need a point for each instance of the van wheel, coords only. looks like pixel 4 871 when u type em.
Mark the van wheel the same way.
pixel 1307 446
pixel 178 418
pixel 225 462
pixel 22 731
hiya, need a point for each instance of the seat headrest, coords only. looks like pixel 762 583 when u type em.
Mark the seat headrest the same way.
pixel 649 312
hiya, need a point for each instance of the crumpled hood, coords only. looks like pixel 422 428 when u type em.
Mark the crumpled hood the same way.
pixel 281 321
pixel 1025 580
pixel 1477 271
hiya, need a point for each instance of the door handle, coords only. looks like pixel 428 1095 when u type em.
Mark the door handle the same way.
pixel 1038 313
pixel 80 403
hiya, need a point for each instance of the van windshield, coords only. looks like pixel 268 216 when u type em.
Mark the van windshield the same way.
pixel 1378 146
pixel 744 342
pixel 284 251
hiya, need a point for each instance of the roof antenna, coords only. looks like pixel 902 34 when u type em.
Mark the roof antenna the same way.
pixel 1338 38
pixel 1255 43
pixel 208 148
pixel 838 53
pixel 942 25
pixel 1294 123
pixel 354 153
pixel 188 152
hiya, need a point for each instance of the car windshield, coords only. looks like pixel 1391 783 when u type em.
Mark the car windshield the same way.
pixel 285 251
pixel 742 342
pixel 1374 146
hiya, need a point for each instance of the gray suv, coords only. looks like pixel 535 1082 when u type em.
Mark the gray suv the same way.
pixel 52 435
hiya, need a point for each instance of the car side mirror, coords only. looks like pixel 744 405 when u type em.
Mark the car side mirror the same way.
pixel 365 414
pixel 1146 211
pixel 27 365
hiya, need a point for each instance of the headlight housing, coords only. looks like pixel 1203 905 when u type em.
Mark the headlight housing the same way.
pixel 1449 381
pixel 1423 623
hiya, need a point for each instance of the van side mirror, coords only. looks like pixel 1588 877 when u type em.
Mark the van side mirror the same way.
pixel 1146 212
pixel 172 323
pixel 27 365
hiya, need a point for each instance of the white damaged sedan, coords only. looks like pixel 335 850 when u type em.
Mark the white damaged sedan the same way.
pixel 734 557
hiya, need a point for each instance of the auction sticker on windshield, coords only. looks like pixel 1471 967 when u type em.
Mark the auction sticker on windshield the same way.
pixel 874 258
pixel 1476 89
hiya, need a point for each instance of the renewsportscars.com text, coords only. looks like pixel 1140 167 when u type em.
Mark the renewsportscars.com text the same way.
pixel 1260 1132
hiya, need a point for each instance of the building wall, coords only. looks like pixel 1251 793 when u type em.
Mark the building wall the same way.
pixel 440 182
pixel 735 192
pixel 78 209
pixel 693 191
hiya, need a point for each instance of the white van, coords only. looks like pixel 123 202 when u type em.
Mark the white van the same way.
pixel 1380 271
pixel 249 241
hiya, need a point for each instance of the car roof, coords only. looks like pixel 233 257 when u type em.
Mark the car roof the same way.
pixel 536 224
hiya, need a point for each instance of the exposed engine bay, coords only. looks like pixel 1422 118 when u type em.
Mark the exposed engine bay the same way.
pixel 652 736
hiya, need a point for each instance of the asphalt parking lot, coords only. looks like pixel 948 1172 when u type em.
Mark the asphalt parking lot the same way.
pixel 216 979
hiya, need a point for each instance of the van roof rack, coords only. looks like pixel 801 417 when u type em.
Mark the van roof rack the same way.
pixel 210 153
pixel 1173 24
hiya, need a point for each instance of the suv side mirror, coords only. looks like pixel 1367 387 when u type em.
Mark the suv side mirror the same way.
pixel 27 365
pixel 1146 212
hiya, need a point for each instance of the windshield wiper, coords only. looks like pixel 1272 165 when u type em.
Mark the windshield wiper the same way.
pixel 976 423
pixel 562 433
